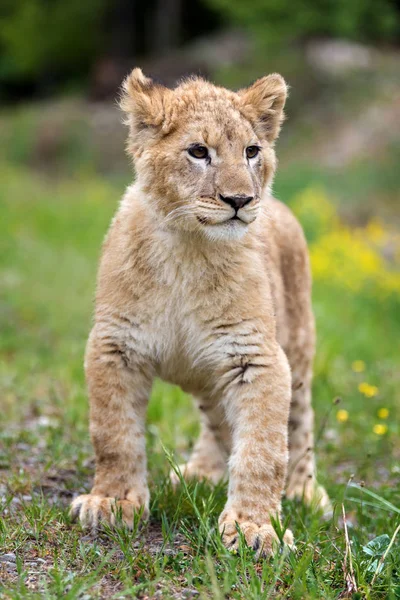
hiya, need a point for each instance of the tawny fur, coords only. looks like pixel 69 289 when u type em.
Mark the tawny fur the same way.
pixel 219 306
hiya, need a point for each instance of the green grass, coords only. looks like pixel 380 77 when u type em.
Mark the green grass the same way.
pixel 50 237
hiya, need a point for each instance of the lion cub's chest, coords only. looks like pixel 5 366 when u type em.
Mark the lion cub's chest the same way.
pixel 176 335
pixel 183 317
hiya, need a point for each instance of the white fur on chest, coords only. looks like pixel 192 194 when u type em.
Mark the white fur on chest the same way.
pixel 176 336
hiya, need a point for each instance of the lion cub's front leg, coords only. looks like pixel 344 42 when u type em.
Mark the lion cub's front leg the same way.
pixel 118 400
pixel 256 400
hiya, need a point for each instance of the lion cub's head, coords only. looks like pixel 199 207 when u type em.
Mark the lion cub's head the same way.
pixel 203 154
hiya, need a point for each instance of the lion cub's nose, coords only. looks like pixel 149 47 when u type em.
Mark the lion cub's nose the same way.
pixel 236 201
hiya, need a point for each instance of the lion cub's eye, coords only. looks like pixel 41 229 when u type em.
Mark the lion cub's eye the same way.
pixel 252 151
pixel 198 151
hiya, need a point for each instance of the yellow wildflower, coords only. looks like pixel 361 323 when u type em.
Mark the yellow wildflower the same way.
pixel 368 390
pixel 342 415
pixel 348 257
pixel 376 231
pixel 383 413
pixel 358 366
pixel 380 429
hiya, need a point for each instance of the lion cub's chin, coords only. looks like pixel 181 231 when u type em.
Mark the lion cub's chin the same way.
pixel 227 231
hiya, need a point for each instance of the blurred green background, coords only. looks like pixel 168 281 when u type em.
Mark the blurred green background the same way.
pixel 63 169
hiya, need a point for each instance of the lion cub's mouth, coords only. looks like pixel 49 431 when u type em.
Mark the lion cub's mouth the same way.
pixel 234 219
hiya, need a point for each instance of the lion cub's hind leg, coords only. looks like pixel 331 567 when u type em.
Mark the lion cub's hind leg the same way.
pixel 301 478
pixel 209 458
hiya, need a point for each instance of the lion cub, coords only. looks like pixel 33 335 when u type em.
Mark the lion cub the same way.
pixel 204 281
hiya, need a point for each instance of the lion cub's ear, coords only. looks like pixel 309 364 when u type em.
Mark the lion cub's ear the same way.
pixel 146 105
pixel 262 104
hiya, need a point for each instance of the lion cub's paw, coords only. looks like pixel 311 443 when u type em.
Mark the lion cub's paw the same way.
pixel 92 510
pixel 262 539
pixel 312 494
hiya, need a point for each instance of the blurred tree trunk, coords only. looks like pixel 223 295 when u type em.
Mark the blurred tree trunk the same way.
pixel 122 30
pixel 120 41
pixel 166 26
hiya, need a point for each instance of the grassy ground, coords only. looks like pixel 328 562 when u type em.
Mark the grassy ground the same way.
pixel 62 171
pixel 50 235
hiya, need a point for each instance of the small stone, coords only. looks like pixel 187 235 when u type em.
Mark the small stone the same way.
pixel 10 557
pixel 23 447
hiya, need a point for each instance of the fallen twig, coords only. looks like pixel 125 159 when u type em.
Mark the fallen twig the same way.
pixel 351 584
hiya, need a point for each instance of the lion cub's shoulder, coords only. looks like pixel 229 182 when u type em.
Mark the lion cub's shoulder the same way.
pixel 285 226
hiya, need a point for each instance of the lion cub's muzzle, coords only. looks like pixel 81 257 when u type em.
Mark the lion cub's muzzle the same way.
pixel 239 204
pixel 239 209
